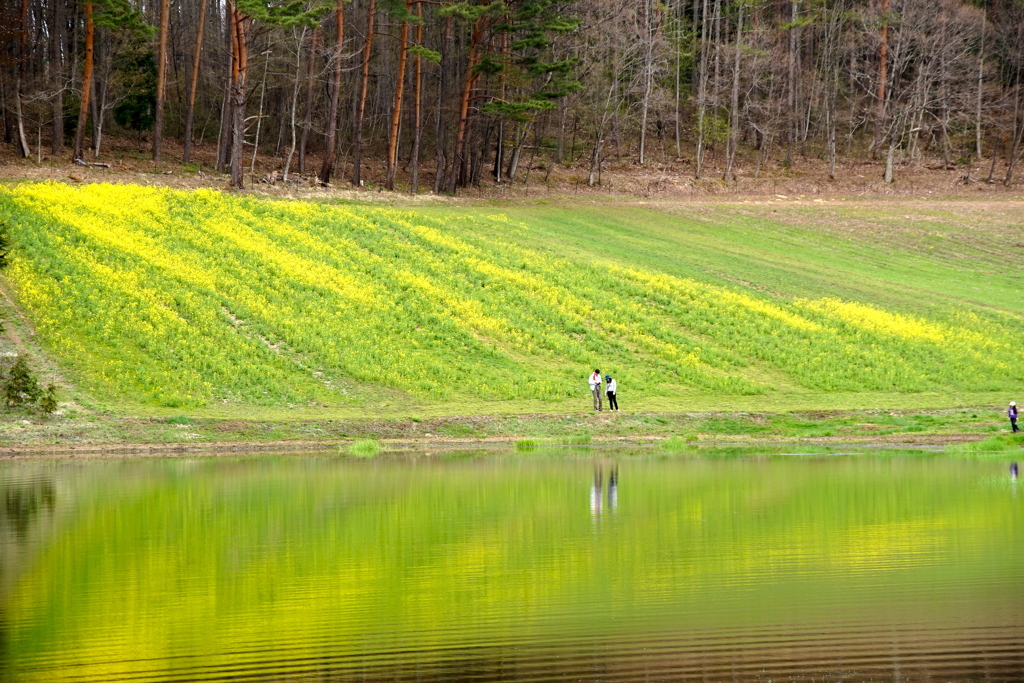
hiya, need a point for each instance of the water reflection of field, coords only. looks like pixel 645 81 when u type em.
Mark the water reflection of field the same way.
pixel 504 569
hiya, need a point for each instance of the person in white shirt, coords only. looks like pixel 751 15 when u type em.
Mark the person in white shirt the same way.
pixel 595 388
pixel 609 389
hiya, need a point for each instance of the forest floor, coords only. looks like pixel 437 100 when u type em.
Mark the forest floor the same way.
pixel 125 162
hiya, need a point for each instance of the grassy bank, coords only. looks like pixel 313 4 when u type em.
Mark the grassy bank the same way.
pixel 956 429
pixel 292 318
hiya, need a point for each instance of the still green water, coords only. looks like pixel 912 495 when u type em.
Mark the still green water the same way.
pixel 583 566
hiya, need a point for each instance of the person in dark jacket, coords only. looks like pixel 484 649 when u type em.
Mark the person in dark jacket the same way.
pixel 609 391
pixel 1012 414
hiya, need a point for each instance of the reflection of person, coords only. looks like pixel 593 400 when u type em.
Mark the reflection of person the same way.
pixel 595 388
pixel 613 489
pixel 597 502
pixel 595 493
pixel 1013 471
pixel 1012 414
pixel 609 389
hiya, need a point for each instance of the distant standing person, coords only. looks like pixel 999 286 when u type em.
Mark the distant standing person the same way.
pixel 1012 414
pixel 595 388
pixel 609 389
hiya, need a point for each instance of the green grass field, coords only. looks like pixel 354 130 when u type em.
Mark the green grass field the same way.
pixel 155 301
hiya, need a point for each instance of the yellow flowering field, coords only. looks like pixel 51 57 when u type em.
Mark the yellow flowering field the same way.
pixel 174 298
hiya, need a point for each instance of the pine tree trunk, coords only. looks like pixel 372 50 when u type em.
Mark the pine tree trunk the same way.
pixel 240 65
pixel 467 92
pixel 83 111
pixel 194 82
pixel 357 154
pixel 417 105
pixel 396 112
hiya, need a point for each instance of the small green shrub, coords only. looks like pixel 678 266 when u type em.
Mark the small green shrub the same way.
pixel 678 443
pixel 367 448
pixel 526 445
pixel 179 420
pixel 21 387
pixel 48 402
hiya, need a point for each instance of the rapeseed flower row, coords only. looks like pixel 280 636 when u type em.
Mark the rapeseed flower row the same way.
pixel 185 298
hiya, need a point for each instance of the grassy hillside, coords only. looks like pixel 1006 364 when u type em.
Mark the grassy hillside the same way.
pixel 160 299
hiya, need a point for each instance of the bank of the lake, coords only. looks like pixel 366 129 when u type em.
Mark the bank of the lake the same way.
pixel 77 435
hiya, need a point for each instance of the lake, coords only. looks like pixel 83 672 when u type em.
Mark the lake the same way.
pixel 593 565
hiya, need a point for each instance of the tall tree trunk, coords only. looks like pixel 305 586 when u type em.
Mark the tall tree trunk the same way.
pixel 307 117
pixel 734 115
pixel 23 56
pixel 259 115
pixel 226 123
pixel 417 104
pixel 467 91
pixel 295 103
pixel 161 78
pixel 883 75
pixel 517 151
pixel 19 121
pixel 227 117
pixel 442 91
pixel 57 66
pixel 499 147
pixel 648 76
pixel 1018 130
pixel 396 112
pixel 240 65
pixel 889 160
pixel 98 107
pixel 678 77
pixel 830 115
pixel 83 111
pixel 995 160
pixel 193 85
pixel 944 96
pixel 791 132
pixel 702 92
pixel 330 146
pixel 357 154
pixel 981 75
